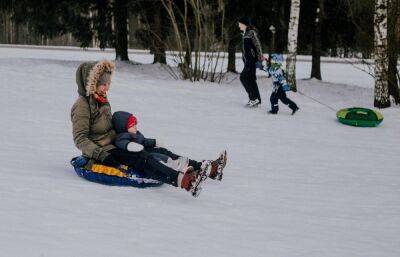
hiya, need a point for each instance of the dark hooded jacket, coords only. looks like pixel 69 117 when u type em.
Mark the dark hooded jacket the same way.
pixel 120 120
pixel 91 122
pixel 251 47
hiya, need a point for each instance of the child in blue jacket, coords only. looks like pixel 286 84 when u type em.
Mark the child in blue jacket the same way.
pixel 273 66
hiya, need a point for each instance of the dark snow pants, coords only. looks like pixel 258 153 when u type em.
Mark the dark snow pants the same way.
pixel 280 94
pixel 248 79
pixel 147 164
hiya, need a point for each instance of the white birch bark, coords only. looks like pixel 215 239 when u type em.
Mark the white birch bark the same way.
pixel 292 43
pixel 381 55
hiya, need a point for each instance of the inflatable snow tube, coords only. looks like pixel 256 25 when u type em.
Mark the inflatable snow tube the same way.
pixel 105 175
pixel 359 117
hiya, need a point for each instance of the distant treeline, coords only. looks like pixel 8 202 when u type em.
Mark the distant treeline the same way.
pixel 347 25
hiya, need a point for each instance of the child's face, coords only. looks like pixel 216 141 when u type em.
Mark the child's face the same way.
pixel 132 129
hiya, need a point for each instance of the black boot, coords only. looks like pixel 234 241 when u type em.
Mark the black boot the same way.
pixel 295 109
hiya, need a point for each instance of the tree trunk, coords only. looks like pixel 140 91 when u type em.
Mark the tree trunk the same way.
pixel 316 42
pixel 121 31
pixel 274 25
pixel 9 30
pixel 393 48
pixel 381 55
pixel 16 33
pixel 231 56
pixel 103 23
pixel 292 43
pixel 158 42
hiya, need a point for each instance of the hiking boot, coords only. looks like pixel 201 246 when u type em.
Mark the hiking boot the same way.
pixel 217 166
pixel 214 170
pixel 272 112
pixel 189 177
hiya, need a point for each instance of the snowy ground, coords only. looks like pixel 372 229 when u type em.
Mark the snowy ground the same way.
pixel 302 185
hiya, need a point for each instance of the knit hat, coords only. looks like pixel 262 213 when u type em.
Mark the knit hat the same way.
pixel 278 58
pixel 132 121
pixel 245 20
pixel 104 78
pixel 121 121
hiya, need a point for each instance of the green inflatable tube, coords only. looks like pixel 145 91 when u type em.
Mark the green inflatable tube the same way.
pixel 359 117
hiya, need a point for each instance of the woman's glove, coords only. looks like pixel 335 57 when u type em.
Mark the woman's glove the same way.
pixel 134 147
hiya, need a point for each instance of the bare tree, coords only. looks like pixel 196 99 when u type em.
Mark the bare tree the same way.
pixel 199 51
pixel 292 43
pixel 382 99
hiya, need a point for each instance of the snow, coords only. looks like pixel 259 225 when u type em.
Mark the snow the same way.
pixel 302 185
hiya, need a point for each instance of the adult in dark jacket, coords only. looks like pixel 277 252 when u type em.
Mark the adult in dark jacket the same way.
pixel 93 131
pixel 251 54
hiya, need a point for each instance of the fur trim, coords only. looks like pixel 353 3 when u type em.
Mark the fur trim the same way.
pixel 98 69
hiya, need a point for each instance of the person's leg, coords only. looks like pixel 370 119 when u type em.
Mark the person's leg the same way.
pixel 164 151
pixel 274 103
pixel 282 96
pixel 257 91
pixel 146 164
pixel 195 164
pixel 245 79
pixel 155 169
pixel 129 159
pixel 254 91
pixel 179 164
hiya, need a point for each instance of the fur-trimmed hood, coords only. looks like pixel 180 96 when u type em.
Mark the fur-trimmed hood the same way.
pixel 88 73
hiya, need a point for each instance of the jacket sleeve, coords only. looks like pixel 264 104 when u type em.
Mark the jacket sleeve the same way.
pixel 256 44
pixel 146 142
pixel 149 143
pixel 123 139
pixel 248 52
pixel 80 117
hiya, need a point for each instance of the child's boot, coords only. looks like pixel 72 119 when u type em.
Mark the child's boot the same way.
pixel 295 109
pixel 192 180
pixel 217 166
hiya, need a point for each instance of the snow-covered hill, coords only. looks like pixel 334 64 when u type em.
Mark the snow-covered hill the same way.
pixel 302 185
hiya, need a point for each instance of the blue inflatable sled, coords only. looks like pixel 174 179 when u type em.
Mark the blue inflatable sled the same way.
pixel 105 175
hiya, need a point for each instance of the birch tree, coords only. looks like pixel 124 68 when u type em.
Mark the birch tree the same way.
pixel 292 43
pixel 381 93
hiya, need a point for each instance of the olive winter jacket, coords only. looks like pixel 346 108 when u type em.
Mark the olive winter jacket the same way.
pixel 92 128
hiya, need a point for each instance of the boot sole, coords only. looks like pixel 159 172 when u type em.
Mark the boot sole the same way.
pixel 221 164
pixel 197 184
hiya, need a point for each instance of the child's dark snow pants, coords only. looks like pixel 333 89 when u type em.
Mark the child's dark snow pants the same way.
pixel 280 94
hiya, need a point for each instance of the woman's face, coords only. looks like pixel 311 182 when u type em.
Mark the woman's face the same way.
pixel 242 27
pixel 103 89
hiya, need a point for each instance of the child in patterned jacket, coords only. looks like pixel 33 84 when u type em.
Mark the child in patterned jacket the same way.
pixel 273 66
